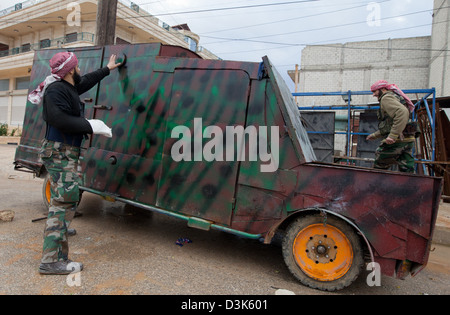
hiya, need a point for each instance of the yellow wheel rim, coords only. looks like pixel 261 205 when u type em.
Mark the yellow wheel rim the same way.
pixel 48 191
pixel 323 252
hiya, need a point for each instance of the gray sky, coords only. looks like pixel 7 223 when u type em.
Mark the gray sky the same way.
pixel 248 30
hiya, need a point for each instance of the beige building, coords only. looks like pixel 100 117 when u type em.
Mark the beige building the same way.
pixel 41 24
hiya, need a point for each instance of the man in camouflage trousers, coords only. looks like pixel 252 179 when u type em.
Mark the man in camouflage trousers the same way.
pixel 61 162
pixel 66 128
pixel 396 153
pixel 393 117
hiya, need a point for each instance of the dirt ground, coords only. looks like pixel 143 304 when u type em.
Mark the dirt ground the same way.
pixel 127 251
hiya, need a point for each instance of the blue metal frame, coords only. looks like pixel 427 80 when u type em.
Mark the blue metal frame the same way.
pixel 422 102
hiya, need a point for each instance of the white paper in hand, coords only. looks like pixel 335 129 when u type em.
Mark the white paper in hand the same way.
pixel 100 128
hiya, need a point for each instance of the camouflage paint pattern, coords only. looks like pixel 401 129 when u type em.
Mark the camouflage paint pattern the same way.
pixel 399 153
pixel 162 87
pixel 61 163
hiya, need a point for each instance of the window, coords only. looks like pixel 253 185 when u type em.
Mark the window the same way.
pixel 4 85
pixel 4 50
pixel 22 83
pixel 26 47
pixel 71 37
pixel 134 7
pixel 192 43
pixel 45 43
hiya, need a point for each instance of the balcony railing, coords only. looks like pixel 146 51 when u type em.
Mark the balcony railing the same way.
pixel 19 6
pixel 57 42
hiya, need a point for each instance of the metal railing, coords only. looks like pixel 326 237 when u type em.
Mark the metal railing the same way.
pixel 421 103
pixel 50 43
pixel 19 6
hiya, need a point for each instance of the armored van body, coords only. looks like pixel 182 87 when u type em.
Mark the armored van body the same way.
pixel 221 145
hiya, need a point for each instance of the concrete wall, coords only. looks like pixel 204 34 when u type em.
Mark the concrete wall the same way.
pixel 357 65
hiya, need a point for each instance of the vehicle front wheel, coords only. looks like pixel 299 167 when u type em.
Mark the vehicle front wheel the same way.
pixel 46 191
pixel 323 255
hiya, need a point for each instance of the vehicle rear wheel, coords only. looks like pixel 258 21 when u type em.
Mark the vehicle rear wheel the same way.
pixel 47 192
pixel 323 255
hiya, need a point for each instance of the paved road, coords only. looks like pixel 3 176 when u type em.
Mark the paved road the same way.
pixel 126 251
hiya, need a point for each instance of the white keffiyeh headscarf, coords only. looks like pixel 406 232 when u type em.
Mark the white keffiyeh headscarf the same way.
pixel 61 63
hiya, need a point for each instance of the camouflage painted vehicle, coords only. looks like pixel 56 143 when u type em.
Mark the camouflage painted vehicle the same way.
pixel 170 110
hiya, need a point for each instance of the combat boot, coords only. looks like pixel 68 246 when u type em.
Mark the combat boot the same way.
pixel 63 267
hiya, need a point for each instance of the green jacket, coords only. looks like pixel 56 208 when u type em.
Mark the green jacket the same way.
pixel 393 117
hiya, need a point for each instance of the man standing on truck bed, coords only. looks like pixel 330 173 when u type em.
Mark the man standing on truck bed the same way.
pixel 63 112
pixel 393 118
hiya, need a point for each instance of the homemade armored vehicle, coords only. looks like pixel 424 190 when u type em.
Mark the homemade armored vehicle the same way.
pixel 220 144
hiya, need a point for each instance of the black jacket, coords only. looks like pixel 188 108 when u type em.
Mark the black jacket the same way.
pixel 64 111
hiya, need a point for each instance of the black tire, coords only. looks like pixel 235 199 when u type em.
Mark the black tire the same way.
pixel 312 255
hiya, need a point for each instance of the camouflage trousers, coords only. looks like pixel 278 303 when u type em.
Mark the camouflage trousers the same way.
pixel 397 153
pixel 61 162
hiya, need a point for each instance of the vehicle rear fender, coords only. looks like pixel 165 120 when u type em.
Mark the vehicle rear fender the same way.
pixel 325 213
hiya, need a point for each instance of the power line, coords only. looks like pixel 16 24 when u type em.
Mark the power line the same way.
pixel 181 12
pixel 284 45
pixel 341 25
pixel 237 7
pixel 378 33
pixel 161 3
pixel 311 30
pixel 292 19
pixel 266 42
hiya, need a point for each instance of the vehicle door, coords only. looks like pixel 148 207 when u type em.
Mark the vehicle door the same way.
pixel 201 187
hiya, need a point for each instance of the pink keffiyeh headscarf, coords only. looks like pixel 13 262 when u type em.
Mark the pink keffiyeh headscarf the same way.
pixel 61 63
pixel 394 88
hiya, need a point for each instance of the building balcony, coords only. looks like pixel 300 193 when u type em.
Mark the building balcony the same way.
pixel 62 42
pixel 23 56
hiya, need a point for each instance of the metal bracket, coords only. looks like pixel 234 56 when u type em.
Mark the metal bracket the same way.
pixel 104 107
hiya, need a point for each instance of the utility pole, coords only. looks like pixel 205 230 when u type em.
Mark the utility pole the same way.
pixel 106 22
